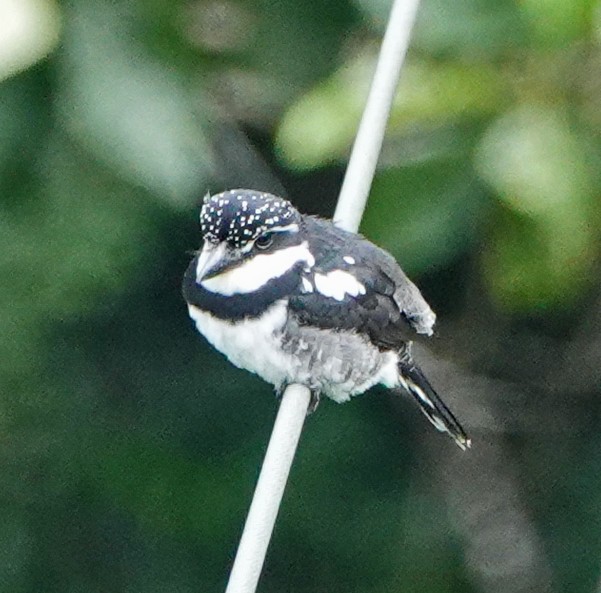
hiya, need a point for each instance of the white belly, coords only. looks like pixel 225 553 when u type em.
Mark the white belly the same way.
pixel 251 344
pixel 260 345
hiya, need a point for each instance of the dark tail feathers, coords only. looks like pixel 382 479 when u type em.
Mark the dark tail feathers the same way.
pixel 430 403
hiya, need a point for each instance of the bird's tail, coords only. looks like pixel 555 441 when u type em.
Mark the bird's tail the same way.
pixel 415 382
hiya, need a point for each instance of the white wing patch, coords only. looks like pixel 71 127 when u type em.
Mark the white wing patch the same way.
pixel 258 270
pixel 338 283
pixel 349 260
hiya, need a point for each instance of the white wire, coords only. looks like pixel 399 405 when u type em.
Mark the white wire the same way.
pixel 295 401
pixel 270 488
pixel 368 142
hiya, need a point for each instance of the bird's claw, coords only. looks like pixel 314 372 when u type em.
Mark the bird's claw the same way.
pixel 315 398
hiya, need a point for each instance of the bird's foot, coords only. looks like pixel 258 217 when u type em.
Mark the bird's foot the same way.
pixel 279 391
pixel 315 397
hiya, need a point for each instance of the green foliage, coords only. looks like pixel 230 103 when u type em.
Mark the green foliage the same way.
pixel 127 109
pixel 543 253
pixel 433 224
pixel 129 449
pixel 320 127
pixel 467 90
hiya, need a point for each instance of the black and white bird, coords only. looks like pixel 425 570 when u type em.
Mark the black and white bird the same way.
pixel 295 299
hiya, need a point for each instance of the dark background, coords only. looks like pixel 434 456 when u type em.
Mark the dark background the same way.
pixel 129 449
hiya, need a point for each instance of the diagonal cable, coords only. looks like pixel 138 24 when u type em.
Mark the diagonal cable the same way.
pixel 351 204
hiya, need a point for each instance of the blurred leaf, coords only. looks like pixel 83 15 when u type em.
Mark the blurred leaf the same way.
pixel 129 111
pixel 464 27
pixel 376 11
pixel 92 231
pixel 273 40
pixel 471 28
pixel 426 214
pixel 320 127
pixel 80 240
pixel 300 37
pixel 532 265
pixel 541 256
pixel 556 22
pixel 537 164
pixel 432 93
pixel 29 31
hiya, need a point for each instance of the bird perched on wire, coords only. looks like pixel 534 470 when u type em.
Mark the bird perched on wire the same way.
pixel 295 299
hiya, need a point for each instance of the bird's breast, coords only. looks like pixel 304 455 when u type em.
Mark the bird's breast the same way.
pixel 254 344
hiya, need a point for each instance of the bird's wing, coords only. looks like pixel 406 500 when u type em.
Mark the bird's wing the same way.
pixel 357 286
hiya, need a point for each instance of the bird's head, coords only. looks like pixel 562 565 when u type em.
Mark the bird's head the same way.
pixel 250 238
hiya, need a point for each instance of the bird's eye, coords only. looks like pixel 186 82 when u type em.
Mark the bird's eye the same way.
pixel 264 241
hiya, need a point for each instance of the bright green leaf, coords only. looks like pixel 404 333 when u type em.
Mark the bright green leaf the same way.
pixel 319 128
pixel 542 251
pixel 535 162
pixel 557 22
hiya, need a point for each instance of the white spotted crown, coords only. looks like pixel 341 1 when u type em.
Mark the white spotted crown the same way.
pixel 241 215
